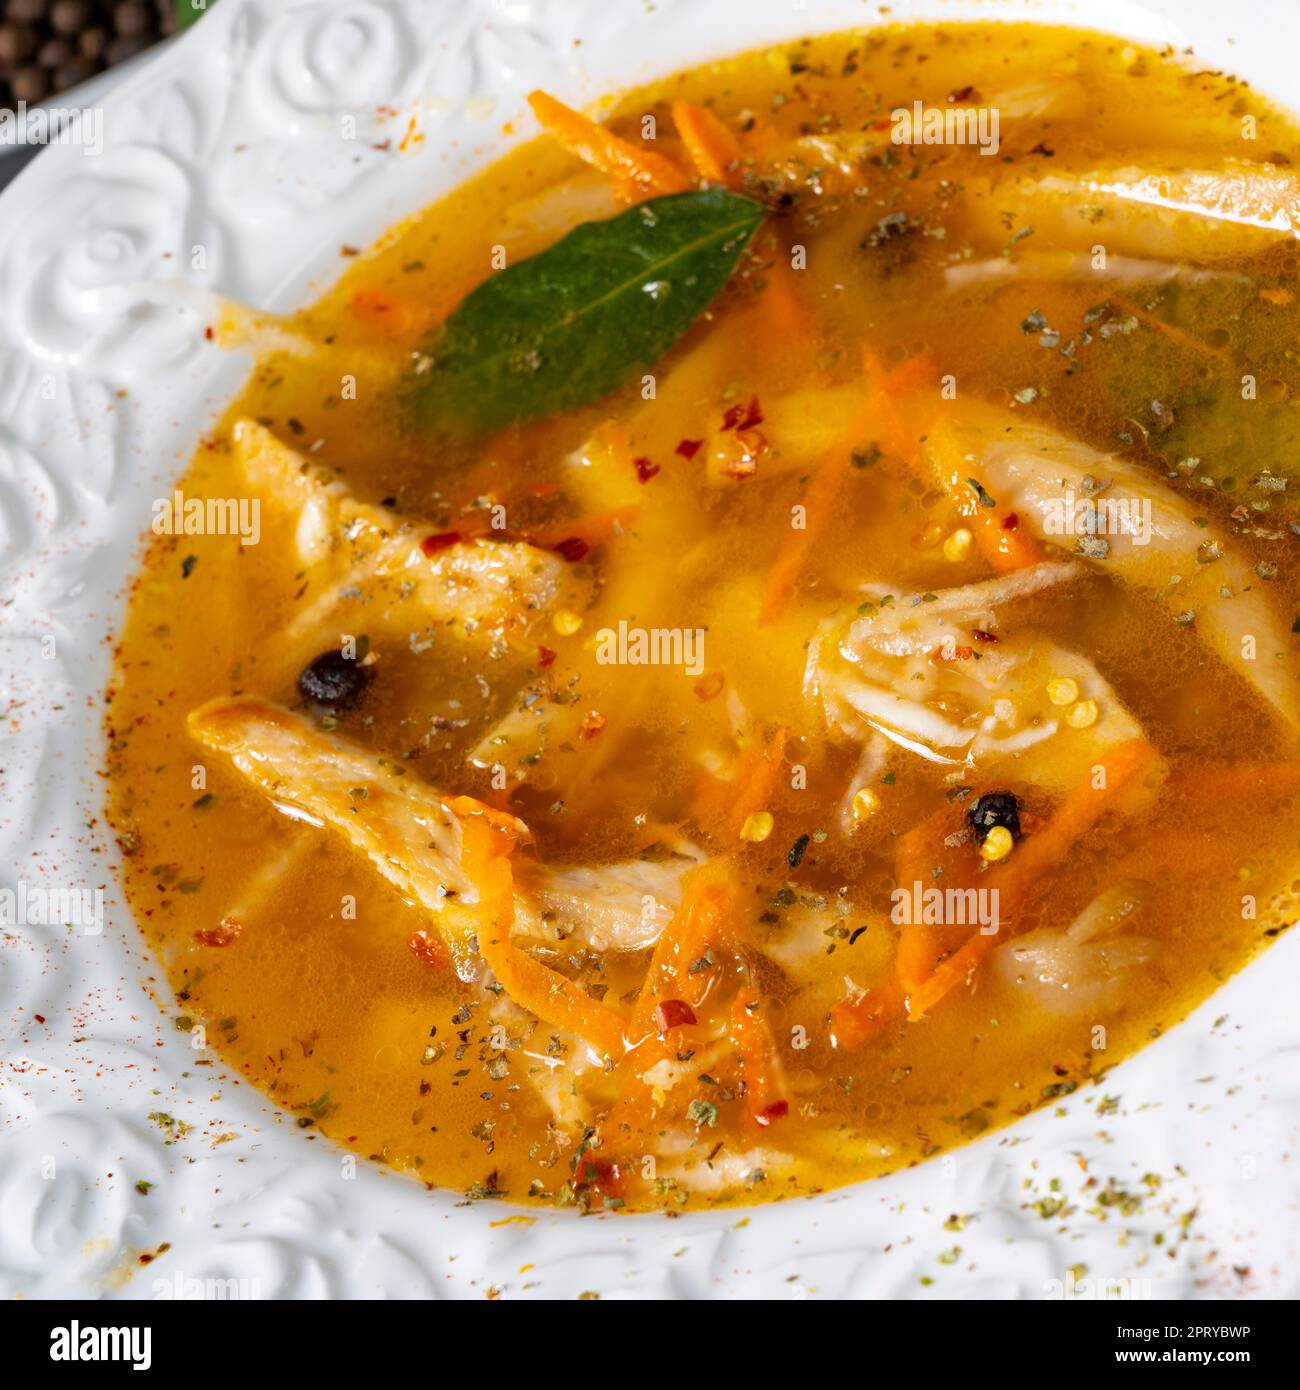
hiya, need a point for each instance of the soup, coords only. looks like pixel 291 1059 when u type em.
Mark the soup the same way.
pixel 769 647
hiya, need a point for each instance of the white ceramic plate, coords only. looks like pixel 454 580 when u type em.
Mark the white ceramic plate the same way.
pixel 228 166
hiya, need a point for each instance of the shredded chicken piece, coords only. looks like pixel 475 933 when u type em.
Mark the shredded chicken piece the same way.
pixel 1174 214
pixel 1083 968
pixel 1109 910
pixel 871 763
pixel 1145 535
pixel 681 1164
pixel 398 822
pixel 842 159
pixel 945 679
pixel 610 907
pixel 913 623
pixel 554 1061
pixel 1076 267
pixel 367 561
pixel 406 830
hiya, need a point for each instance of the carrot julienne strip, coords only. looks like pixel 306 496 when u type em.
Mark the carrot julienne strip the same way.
pixel 817 503
pixel 881 412
pixel 1037 854
pixel 591 529
pixel 854 1021
pixel 755 780
pixel 918 944
pixel 720 807
pixel 488 838
pixel 1002 541
pixel 714 150
pixel 897 395
pixel 637 173
pixel 784 322
pixel 702 921
pixel 752 1038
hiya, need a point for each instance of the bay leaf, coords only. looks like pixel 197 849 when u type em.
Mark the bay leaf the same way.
pixel 567 326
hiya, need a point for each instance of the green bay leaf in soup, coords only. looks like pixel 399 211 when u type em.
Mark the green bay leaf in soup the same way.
pixel 571 324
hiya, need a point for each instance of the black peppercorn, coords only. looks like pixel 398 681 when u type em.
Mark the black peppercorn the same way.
pixel 992 809
pixel 335 680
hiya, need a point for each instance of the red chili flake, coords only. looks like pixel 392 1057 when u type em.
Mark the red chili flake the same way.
pixel 608 1179
pixel 572 549
pixel 542 489
pixel 545 656
pixel 427 950
pixel 592 724
pixel 673 1013
pixel 1010 521
pixel 431 545
pixel 226 931
pixel 208 333
pixel 645 470
pixel 743 417
pixel 980 635
pixel 775 1111
pixel 944 652
pixel 40 1018
pixel 688 448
